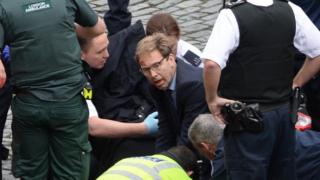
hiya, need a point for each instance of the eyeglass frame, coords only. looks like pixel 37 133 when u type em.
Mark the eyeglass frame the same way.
pixel 155 67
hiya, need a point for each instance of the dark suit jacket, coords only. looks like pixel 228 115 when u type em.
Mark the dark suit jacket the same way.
pixel 120 91
pixel 190 102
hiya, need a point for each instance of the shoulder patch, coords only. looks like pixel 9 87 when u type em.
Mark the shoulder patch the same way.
pixel 234 3
pixel 192 58
pixel 87 92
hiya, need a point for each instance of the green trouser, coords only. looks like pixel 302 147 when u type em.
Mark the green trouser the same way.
pixel 50 139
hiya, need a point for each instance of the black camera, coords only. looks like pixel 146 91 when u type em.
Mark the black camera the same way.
pixel 242 117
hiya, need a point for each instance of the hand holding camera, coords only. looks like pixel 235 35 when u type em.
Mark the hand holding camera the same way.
pixel 242 117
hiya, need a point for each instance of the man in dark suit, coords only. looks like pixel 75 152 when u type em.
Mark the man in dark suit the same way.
pixel 177 89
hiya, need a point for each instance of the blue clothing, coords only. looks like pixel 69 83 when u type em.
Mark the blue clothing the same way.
pixel 218 162
pixel 172 85
pixel 307 154
pixel 311 8
pixel 177 114
pixel 6 54
pixel 265 155
pixel 174 121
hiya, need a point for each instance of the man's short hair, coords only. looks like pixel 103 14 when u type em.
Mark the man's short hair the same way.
pixel 163 23
pixel 156 41
pixel 183 156
pixel 82 42
pixel 205 129
pixel 85 42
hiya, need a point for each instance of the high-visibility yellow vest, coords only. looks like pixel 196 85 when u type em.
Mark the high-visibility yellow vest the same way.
pixel 154 167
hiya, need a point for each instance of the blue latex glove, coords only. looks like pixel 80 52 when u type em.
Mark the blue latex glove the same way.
pixel 151 122
pixel 6 54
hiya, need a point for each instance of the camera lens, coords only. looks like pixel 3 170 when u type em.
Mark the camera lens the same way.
pixel 236 106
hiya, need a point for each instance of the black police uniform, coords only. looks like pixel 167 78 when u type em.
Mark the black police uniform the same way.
pixel 260 71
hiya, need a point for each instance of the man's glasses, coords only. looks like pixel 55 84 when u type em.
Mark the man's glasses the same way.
pixel 156 67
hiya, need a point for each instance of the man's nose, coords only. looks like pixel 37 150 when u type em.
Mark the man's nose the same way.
pixel 106 55
pixel 153 73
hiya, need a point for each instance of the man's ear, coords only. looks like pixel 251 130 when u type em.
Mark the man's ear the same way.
pixel 82 55
pixel 190 173
pixel 204 146
pixel 206 149
pixel 172 57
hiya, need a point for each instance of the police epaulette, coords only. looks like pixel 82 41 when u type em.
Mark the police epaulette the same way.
pixel 232 4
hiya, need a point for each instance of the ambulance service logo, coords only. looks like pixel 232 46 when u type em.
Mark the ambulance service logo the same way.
pixel 37 6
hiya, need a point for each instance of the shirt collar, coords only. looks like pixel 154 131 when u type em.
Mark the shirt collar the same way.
pixel 261 2
pixel 172 85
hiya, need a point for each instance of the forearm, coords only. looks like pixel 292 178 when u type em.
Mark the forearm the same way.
pixel 113 129
pixel 91 32
pixel 309 69
pixel 211 77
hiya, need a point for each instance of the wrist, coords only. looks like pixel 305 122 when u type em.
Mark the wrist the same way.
pixel 143 128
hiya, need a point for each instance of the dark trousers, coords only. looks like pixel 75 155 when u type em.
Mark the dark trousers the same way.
pixel 5 99
pixel 117 17
pixel 50 135
pixel 308 155
pixel 265 155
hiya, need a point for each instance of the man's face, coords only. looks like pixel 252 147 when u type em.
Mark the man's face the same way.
pixel 157 69
pixel 95 52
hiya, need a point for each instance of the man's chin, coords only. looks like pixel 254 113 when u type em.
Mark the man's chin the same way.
pixel 100 66
pixel 162 87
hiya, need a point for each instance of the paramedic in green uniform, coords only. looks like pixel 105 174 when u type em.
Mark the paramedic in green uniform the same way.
pixel 50 130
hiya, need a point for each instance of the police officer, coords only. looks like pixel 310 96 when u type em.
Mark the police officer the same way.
pixel 168 25
pixel 175 163
pixel 49 125
pixel 250 53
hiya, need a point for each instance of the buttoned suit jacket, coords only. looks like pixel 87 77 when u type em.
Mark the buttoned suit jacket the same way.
pixel 174 120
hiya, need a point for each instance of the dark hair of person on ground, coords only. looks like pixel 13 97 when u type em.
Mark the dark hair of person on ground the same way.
pixel 163 23
pixel 166 24
pixel 183 156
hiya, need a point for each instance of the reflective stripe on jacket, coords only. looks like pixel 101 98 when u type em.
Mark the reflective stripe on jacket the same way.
pixel 156 167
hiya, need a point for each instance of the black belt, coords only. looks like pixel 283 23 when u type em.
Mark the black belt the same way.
pixel 264 107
